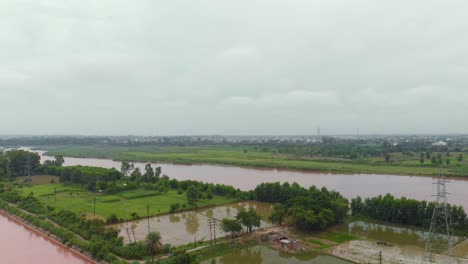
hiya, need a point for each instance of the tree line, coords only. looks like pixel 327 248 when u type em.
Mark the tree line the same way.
pixel 406 211
pixel 310 209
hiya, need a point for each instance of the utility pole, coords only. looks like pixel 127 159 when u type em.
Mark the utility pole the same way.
pixel 211 235
pixel 214 229
pixel 148 218
pixel 212 225
pixel 55 193
pixel 94 210
pixel 440 234
pixel 380 257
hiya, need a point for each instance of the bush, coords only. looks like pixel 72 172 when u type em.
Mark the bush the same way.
pixel 174 208
pixel 112 219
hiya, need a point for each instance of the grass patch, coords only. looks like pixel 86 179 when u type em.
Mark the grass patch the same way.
pixel 338 237
pixel 79 200
pixel 235 155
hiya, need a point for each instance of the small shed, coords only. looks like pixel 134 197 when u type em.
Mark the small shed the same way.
pixel 285 243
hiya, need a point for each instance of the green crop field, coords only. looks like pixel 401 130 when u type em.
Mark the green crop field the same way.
pixel 252 157
pixel 123 204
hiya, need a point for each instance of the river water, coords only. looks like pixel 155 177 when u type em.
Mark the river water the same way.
pixel 20 245
pixel 350 185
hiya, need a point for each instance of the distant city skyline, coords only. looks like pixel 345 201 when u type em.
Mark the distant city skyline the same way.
pixel 249 67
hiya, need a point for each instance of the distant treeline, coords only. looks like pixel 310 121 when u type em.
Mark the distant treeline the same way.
pixel 407 211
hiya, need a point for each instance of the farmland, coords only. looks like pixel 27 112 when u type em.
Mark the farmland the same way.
pixel 79 200
pixel 247 156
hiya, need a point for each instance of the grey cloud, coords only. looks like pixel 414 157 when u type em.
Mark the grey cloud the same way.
pixel 233 67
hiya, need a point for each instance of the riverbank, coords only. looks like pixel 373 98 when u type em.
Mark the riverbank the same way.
pixel 400 164
pixel 79 253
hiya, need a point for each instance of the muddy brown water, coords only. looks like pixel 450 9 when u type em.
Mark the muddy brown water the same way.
pixel 21 245
pixel 350 185
pixel 409 239
pixel 182 228
pixel 263 254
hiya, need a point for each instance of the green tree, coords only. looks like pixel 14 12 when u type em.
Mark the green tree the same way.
pixel 447 161
pixel 248 218
pixel 278 214
pixel 126 167
pixel 428 155
pixel 59 160
pixel 134 215
pixel 136 175
pixel 230 226
pixel 149 173
pixel 421 158
pixel 433 160
pixel 192 195
pixel 22 162
pixel 174 207
pixel 387 157
pixel 157 172
pixel 439 158
pixel 460 157
pixel 153 244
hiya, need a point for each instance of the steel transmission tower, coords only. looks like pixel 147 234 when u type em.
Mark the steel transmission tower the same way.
pixel 440 237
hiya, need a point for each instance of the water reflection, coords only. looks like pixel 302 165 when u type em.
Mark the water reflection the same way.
pixel 248 255
pixel 192 224
pixel 263 254
pixel 385 232
pixel 173 218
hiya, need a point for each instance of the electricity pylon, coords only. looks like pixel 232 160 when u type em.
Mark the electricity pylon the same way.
pixel 440 237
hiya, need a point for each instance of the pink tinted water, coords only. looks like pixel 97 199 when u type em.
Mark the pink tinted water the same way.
pixel 21 245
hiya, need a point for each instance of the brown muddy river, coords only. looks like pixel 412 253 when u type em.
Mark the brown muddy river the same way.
pixel 350 185
pixel 20 245
pixel 182 228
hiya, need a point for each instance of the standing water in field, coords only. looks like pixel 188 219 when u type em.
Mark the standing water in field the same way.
pixel 266 255
pixel 182 228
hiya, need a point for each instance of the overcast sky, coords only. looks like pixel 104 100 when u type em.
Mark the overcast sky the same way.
pixel 109 67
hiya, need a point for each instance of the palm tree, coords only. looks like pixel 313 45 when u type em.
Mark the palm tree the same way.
pixel 153 243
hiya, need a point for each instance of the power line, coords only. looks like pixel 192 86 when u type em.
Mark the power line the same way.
pixel 212 223
pixel 440 234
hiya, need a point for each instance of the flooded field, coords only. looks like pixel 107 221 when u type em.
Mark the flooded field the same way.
pixel 20 245
pixel 410 240
pixel 266 255
pixel 186 227
pixel 350 185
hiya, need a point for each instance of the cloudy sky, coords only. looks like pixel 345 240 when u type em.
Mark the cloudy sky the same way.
pixel 111 67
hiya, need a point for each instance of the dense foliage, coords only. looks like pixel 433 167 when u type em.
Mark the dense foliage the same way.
pixel 310 209
pixel 18 163
pixel 406 211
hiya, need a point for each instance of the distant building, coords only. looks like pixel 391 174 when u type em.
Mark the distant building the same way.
pixel 439 144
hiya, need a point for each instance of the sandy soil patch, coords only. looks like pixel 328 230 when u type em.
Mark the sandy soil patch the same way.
pixel 368 252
